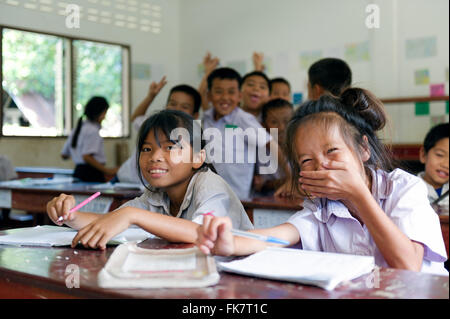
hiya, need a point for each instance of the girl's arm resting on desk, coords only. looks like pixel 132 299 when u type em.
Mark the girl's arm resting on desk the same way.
pixel 102 229
pixel 215 237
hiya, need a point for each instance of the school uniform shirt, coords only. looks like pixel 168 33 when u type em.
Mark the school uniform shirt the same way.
pixel 330 227
pixel 238 175
pixel 89 143
pixel 128 171
pixel 206 192
pixel 433 195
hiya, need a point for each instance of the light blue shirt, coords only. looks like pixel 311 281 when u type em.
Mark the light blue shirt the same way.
pixel 236 161
pixel 330 227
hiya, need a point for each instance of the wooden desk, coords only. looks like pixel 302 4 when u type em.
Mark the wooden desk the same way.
pixel 33 199
pixel 36 272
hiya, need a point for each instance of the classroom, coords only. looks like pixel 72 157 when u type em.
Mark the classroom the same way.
pixel 191 122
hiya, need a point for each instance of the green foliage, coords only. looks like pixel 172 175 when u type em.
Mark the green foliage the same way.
pixel 28 63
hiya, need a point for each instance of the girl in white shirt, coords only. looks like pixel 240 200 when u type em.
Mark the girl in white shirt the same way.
pixel 358 204
pixel 180 188
pixel 85 145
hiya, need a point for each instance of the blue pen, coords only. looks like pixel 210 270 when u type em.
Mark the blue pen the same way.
pixel 268 239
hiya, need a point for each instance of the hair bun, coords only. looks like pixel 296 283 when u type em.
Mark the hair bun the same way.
pixel 367 105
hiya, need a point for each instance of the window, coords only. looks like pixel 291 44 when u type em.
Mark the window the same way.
pixel 47 80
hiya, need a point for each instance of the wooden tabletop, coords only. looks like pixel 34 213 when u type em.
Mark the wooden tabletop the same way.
pixel 37 272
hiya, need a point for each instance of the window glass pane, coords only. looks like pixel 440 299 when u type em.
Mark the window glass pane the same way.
pixel 33 88
pixel 98 72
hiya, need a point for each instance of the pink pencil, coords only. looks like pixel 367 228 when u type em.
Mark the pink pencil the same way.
pixel 60 219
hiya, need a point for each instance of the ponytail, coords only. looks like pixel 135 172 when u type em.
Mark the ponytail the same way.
pixel 77 132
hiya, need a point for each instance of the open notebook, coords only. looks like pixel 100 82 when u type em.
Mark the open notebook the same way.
pixel 325 270
pixel 62 236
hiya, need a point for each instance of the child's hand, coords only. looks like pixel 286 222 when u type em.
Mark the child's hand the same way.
pixel 155 88
pixel 339 181
pixel 210 63
pixel 100 231
pixel 258 61
pixel 214 236
pixel 60 206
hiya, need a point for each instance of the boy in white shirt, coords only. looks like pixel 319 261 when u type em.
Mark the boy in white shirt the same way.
pixel 434 154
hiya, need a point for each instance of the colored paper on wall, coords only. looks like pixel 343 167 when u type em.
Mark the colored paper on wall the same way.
pixel 446 107
pixel 141 71
pixel 298 98
pixel 309 57
pixel 357 52
pixel 422 77
pixel 157 72
pixel 422 108
pixel 421 48
pixel 437 89
pixel 281 65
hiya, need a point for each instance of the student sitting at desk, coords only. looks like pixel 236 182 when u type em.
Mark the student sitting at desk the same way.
pixel 358 204
pixel 180 189
pixel 255 93
pixel 181 97
pixel 85 145
pixel 434 154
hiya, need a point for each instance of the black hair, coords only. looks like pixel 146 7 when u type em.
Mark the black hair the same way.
pixel 434 135
pixel 94 107
pixel 272 105
pixel 278 80
pixel 166 121
pixel 224 74
pixel 358 114
pixel 189 90
pixel 257 73
pixel 332 74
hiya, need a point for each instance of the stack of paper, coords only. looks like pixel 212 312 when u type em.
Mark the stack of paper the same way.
pixel 134 267
pixel 325 270
pixel 63 236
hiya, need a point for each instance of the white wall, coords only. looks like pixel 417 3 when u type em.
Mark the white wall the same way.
pixel 146 47
pixel 282 30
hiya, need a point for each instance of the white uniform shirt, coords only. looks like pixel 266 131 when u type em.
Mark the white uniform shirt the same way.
pixel 89 143
pixel 330 227
pixel 206 192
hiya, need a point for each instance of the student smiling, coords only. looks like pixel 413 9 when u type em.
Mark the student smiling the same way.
pixel 177 195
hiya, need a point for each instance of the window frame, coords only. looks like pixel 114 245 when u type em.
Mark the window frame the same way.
pixel 69 89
